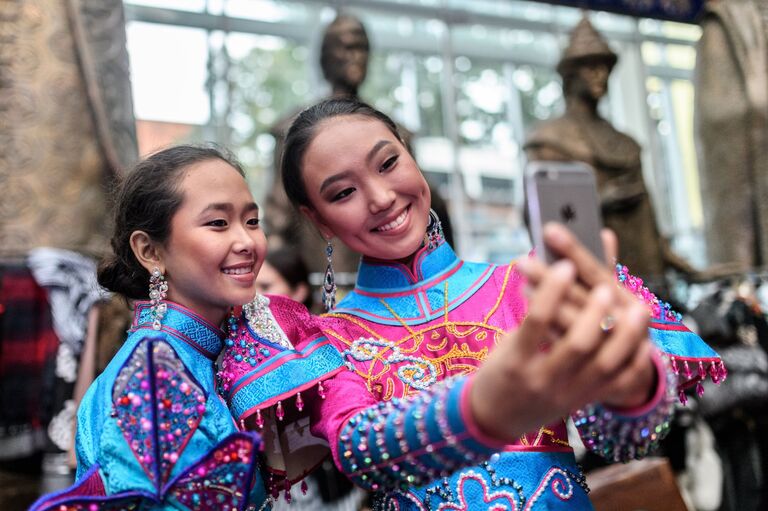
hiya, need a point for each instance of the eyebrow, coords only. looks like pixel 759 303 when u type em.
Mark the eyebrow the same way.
pixel 368 157
pixel 228 207
pixel 375 149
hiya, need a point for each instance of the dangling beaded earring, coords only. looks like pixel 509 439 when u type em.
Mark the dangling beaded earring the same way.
pixel 434 230
pixel 158 290
pixel 329 281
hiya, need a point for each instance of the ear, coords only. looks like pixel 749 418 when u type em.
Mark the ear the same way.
pixel 300 292
pixel 315 218
pixel 147 251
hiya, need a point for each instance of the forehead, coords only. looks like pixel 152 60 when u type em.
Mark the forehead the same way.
pixel 346 135
pixel 212 180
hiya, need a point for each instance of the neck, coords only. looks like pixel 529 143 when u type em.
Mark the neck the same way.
pixel 344 91
pixel 578 105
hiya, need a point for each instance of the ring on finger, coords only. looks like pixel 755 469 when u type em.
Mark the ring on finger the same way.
pixel 607 323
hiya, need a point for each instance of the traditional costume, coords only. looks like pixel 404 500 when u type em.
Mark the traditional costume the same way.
pixel 275 362
pixel 152 432
pixel 397 420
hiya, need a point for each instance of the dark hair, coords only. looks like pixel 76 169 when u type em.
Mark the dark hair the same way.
pixel 303 131
pixel 146 200
pixel 287 261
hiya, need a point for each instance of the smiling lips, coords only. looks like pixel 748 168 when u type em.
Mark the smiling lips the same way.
pixel 394 223
pixel 238 270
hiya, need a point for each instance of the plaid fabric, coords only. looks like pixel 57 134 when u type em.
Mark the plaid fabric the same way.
pixel 28 347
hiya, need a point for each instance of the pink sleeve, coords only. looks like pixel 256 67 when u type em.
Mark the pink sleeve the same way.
pixel 346 395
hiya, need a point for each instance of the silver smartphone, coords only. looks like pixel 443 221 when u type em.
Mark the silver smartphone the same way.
pixel 564 192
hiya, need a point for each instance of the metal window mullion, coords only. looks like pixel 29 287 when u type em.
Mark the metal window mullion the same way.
pixel 450 116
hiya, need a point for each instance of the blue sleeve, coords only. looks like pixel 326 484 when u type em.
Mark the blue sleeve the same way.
pixel 405 442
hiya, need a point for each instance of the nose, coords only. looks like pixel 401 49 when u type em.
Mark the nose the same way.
pixel 244 239
pixel 380 197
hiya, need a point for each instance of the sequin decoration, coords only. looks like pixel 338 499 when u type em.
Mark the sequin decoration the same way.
pixel 118 503
pixel 419 373
pixel 659 309
pixel 493 500
pixel 403 443
pixel 241 347
pixel 617 437
pixel 158 406
pixel 221 479
pixel 88 495
pixel 263 323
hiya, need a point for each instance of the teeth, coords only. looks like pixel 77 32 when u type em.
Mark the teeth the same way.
pixel 237 271
pixel 394 223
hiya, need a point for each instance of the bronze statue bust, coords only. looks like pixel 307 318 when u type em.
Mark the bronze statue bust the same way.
pixel 344 55
pixel 582 134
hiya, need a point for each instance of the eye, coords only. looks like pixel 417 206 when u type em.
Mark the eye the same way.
pixel 253 222
pixel 389 163
pixel 220 222
pixel 344 193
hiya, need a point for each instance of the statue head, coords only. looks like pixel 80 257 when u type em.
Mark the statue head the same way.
pixel 586 63
pixel 344 53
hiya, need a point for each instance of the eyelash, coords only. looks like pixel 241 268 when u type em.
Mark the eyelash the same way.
pixel 220 222
pixel 386 166
pixel 389 163
pixel 344 193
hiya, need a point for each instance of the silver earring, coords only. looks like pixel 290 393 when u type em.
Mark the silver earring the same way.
pixel 158 290
pixel 434 230
pixel 329 281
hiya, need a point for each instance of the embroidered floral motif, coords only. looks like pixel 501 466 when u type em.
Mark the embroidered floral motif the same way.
pixel 420 373
pixel 158 406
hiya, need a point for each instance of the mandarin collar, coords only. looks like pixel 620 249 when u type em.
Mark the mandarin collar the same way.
pixel 183 324
pixel 374 274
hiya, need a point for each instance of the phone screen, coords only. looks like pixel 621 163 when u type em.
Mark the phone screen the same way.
pixel 565 193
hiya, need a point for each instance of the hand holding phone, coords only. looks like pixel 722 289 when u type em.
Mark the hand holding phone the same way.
pixel 563 192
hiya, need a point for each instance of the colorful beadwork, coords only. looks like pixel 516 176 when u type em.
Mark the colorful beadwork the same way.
pixel 219 480
pixel 659 309
pixel 157 405
pixel 668 332
pixel 408 442
pixel 620 437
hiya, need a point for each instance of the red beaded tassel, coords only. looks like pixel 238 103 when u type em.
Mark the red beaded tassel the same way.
pixel 299 402
pixel 279 412
pixel 321 390
pixel 304 487
pixel 259 419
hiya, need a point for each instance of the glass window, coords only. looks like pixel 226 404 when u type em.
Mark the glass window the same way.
pixel 169 85
pixel 485 67
pixel 270 81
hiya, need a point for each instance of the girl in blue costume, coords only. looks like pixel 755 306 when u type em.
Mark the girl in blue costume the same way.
pixel 458 381
pixel 152 432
